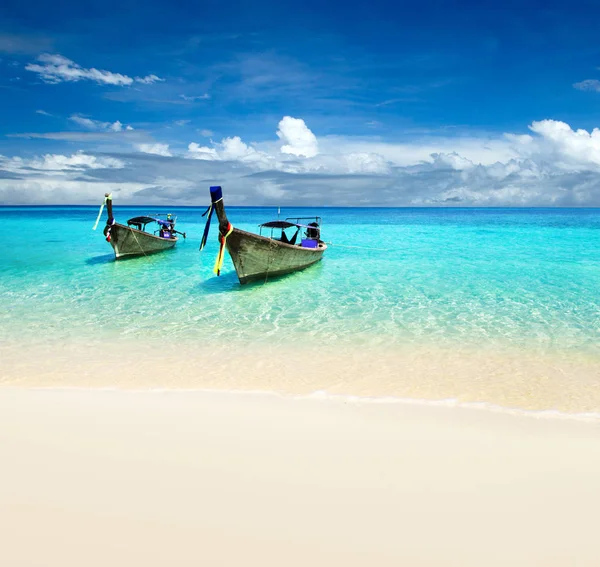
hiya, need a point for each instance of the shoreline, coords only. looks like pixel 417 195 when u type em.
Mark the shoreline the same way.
pixel 512 380
pixel 320 396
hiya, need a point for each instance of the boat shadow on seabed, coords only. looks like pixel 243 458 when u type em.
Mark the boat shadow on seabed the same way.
pixel 228 282
pixel 130 260
pixel 102 259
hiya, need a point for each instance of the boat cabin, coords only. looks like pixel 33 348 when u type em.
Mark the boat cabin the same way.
pixel 166 228
pixel 309 233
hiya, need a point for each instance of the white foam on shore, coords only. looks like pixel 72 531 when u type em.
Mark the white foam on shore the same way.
pixel 555 385
pixel 588 417
pixel 324 396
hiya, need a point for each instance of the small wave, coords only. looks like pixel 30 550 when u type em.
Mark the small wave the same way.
pixel 587 417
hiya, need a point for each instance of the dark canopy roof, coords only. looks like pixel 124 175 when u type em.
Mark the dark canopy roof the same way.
pixel 279 224
pixel 141 220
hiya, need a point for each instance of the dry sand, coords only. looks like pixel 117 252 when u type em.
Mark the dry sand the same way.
pixel 106 478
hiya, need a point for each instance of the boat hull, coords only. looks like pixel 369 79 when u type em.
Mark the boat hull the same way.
pixel 258 258
pixel 128 242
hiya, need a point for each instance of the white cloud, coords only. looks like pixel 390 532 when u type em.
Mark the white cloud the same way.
pixel 572 149
pixel 54 68
pixel 236 150
pixel 477 149
pixel 195 151
pixel 232 149
pixel 156 149
pixel 588 85
pixel 452 160
pixel 78 161
pixel 98 125
pixel 148 79
pixel 43 113
pixel 52 190
pixel 187 98
pixel 366 163
pixel 206 133
pixel 297 137
pixel 88 122
pixel 182 122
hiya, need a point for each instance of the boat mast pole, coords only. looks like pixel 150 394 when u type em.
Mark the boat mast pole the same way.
pixel 216 196
pixel 109 206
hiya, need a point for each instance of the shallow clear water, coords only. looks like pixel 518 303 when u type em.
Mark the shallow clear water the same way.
pixel 499 306
pixel 392 276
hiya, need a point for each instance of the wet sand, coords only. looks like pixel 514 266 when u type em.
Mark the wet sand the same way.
pixel 500 376
pixel 100 478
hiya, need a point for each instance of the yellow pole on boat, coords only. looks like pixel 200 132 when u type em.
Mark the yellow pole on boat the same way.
pixel 221 254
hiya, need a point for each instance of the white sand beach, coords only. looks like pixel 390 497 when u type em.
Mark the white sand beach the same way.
pixel 99 478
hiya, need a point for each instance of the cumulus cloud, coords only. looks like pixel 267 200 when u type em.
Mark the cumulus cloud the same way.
pixel 156 149
pixel 298 139
pixel 54 68
pixel 232 149
pixel 98 125
pixel 451 160
pixel 553 164
pixel 195 151
pixel 572 149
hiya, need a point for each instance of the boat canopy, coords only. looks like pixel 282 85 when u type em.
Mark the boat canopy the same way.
pixel 140 220
pixel 278 224
pixel 286 224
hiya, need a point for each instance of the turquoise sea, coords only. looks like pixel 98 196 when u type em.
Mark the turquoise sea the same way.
pixel 525 279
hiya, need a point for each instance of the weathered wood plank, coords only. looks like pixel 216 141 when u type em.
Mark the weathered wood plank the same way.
pixel 127 242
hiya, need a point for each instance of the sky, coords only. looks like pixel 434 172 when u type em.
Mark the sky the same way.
pixel 301 103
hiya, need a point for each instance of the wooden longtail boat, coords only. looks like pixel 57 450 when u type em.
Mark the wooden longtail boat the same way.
pixel 258 257
pixel 133 240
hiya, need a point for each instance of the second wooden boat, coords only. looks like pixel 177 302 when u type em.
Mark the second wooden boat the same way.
pixel 133 239
pixel 258 257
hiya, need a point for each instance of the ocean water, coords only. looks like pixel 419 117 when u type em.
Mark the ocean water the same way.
pixel 392 280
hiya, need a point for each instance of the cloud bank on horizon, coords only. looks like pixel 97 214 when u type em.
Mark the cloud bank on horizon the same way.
pixel 552 165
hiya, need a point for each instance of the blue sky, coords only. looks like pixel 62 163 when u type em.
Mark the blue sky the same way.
pixel 393 91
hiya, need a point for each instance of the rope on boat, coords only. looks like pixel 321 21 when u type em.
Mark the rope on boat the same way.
pixel 138 242
pixel 359 247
